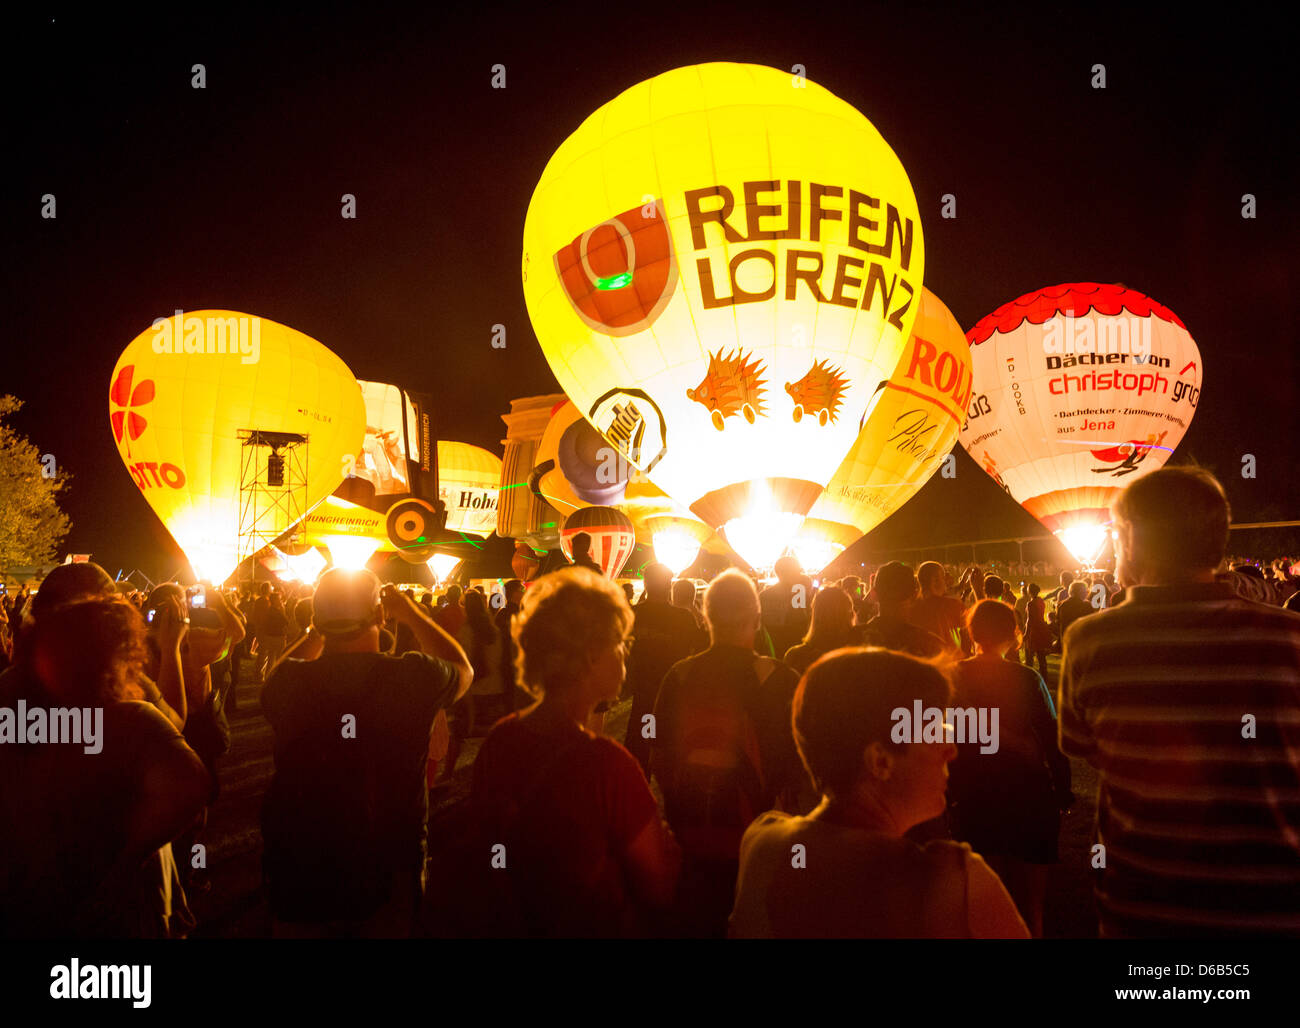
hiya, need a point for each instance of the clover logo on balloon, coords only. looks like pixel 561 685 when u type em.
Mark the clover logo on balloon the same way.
pixel 126 422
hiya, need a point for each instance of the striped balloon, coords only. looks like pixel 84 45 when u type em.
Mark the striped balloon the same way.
pixel 612 536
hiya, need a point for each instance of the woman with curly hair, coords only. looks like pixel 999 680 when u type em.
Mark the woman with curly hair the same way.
pixel 87 824
pixel 584 844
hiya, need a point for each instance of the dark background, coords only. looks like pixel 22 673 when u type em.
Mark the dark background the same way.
pixel 229 197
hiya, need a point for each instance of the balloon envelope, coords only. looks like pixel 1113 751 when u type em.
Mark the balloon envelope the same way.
pixel 184 398
pixel 468 480
pixel 722 264
pixel 1079 389
pixel 612 537
pixel 912 425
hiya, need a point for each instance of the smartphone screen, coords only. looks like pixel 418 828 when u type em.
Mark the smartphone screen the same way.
pixel 149 614
pixel 199 598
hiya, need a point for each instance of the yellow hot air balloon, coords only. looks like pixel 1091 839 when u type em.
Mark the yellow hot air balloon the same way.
pixel 1079 389
pixel 469 478
pixel 233 427
pixel 910 428
pixel 722 264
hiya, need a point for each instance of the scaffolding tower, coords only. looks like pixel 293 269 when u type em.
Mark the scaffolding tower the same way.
pixel 272 488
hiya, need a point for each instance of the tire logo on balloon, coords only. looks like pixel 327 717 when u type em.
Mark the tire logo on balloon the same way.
pixel 411 525
pixel 619 275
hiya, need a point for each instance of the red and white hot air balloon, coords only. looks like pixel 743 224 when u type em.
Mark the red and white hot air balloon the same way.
pixel 611 533
pixel 1078 390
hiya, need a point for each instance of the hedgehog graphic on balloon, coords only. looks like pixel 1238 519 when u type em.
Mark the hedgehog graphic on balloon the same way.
pixel 731 386
pixel 819 392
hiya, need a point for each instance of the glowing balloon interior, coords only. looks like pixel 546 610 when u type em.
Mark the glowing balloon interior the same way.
pixel 302 567
pixel 722 264
pixel 441 565
pixel 185 399
pixel 1079 390
pixel 352 552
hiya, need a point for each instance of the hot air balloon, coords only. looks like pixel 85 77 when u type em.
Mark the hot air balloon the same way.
pixel 525 562
pixel 1079 390
pixel 722 264
pixel 911 425
pixel 468 480
pixel 612 537
pixel 577 467
pixel 676 539
pixel 233 427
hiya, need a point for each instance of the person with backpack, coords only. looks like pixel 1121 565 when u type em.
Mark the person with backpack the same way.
pixel 566 840
pixel 723 752
pixel 344 820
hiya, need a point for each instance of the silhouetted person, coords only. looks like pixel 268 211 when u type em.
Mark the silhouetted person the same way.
pixel 832 626
pixel 1184 698
pixel 588 855
pixel 786 605
pixel 86 849
pixel 896 588
pixel 1038 634
pixel 859 877
pixel 722 751
pixel 662 635
pixel 1006 801
pixel 1075 606
pixel 344 818
pixel 581 546
pixel 934 610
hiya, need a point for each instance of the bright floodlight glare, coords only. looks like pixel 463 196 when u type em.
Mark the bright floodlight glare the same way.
pixel 814 554
pixel 442 565
pixel 761 535
pixel 762 538
pixel 1085 542
pixel 676 548
pixel 303 567
pixel 351 552
pixel 209 565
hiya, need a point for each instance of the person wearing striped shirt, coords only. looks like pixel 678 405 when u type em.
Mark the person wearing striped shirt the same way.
pixel 1186 698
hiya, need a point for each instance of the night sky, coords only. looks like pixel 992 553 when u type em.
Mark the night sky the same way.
pixel 171 197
